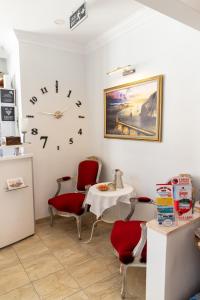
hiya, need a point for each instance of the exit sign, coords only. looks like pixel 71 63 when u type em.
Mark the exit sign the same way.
pixel 78 16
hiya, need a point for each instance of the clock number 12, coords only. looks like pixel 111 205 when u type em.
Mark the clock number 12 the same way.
pixel 45 138
pixel 56 86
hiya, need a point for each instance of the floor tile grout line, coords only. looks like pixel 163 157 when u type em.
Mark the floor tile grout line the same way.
pixel 64 269
pixel 27 274
pixel 110 275
pixel 81 289
pixel 19 287
pixel 67 271
pixel 79 265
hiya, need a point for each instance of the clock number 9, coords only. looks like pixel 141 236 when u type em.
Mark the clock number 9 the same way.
pixel 45 138
pixel 34 131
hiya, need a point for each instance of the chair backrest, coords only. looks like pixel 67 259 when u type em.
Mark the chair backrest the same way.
pixel 88 172
pixel 144 211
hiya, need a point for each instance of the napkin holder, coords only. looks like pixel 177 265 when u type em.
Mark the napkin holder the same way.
pixel 118 183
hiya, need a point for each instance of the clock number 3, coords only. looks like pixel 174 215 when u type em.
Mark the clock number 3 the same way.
pixel 56 86
pixel 45 138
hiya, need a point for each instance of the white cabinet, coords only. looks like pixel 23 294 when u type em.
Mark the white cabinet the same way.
pixel 16 206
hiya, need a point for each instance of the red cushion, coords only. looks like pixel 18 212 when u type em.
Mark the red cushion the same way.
pixel 71 203
pixel 124 237
pixel 87 174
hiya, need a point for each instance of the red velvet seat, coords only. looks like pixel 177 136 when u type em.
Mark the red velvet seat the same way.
pixel 124 237
pixel 71 204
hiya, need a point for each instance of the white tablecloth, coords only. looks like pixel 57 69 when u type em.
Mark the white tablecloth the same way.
pixel 102 200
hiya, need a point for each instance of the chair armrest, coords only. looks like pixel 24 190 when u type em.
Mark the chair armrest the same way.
pixel 59 181
pixel 87 187
pixel 140 245
pixel 65 178
pixel 133 202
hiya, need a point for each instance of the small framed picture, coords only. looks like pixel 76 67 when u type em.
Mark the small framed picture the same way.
pixel 15 183
pixel 8 113
pixel 7 95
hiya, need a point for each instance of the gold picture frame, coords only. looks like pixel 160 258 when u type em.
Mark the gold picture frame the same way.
pixel 134 110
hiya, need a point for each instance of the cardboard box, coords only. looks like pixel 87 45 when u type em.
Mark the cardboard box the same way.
pixel 182 194
pixel 165 215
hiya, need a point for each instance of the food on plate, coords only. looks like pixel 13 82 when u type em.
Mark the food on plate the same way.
pixel 103 187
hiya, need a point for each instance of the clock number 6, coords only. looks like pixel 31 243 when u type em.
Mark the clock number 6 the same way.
pixel 45 138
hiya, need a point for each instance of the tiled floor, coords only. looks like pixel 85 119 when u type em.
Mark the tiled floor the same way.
pixel 54 265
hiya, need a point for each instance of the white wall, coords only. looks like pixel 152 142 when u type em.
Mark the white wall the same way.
pixel 156 45
pixel 10 43
pixel 40 66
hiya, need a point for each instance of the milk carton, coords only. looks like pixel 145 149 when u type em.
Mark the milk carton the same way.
pixel 182 195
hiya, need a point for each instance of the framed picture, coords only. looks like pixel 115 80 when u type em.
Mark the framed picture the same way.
pixel 7 96
pixel 7 113
pixel 134 110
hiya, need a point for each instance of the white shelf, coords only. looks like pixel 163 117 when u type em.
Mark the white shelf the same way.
pixel 14 146
pixel 14 157
pixel 15 189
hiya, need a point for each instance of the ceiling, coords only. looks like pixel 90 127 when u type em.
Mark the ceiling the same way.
pixel 38 16
pixel 195 4
pixel 185 11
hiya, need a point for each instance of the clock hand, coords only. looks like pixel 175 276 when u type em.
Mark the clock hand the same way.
pixel 66 108
pixel 45 113
pixel 57 114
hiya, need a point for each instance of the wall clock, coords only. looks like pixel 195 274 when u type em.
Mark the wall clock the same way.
pixel 68 104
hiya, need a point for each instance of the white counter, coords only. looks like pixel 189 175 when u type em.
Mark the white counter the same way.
pixel 17 206
pixel 173 262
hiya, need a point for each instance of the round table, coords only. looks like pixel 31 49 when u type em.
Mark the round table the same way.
pixel 101 201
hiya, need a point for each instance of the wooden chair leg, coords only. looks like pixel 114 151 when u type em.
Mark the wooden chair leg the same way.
pixel 51 215
pixel 124 283
pixel 78 223
pixel 121 269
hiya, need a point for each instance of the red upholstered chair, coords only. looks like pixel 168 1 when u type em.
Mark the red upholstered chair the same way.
pixel 72 204
pixel 128 237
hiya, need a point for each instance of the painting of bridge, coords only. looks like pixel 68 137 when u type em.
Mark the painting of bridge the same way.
pixel 133 110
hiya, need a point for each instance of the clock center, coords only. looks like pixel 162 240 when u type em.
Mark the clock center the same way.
pixel 58 114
